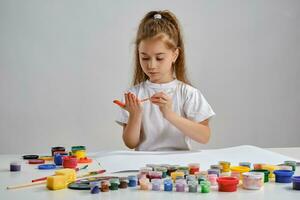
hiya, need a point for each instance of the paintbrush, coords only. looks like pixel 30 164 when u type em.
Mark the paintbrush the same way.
pixel 121 104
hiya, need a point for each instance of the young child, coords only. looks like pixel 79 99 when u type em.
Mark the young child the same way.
pixel 162 111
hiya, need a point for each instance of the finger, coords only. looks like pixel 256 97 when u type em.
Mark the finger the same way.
pixel 159 100
pixel 126 99
pixel 160 95
pixel 119 103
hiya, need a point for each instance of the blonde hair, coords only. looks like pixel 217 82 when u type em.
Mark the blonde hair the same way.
pixel 159 24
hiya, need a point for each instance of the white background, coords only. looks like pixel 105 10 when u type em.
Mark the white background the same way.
pixel 63 62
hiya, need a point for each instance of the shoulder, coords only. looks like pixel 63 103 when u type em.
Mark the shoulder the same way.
pixel 136 88
pixel 187 91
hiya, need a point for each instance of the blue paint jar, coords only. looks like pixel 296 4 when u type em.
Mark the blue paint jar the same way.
pixel 296 182
pixel 168 185
pixel 132 181
pixel 58 158
pixel 283 176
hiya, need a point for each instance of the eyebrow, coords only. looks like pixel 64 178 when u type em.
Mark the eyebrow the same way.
pixel 155 54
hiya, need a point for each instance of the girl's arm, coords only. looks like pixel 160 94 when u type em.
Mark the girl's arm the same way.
pixel 132 130
pixel 199 132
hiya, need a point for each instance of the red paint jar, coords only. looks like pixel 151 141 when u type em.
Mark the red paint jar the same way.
pixel 227 184
pixel 69 162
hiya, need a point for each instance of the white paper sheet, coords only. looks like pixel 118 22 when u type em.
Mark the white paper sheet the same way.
pixel 117 161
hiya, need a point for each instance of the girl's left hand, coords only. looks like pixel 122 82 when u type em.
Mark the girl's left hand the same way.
pixel 164 102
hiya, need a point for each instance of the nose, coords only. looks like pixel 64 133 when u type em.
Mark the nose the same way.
pixel 151 64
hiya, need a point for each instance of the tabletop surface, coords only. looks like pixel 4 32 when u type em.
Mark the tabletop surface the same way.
pixel 270 190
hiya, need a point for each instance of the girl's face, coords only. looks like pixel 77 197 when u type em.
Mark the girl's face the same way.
pixel 156 60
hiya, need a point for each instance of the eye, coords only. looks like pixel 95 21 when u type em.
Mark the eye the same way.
pixel 145 58
pixel 159 59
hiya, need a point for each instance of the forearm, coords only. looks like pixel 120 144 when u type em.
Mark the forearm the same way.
pixel 194 130
pixel 132 131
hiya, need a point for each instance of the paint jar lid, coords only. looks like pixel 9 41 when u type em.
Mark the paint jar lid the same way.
pixel 28 157
pixel 47 166
pixel 253 175
pixel 191 165
pixel 168 181
pixel 296 179
pixel 283 172
pixel 114 180
pixel 132 177
pixel 227 180
pixel 36 161
pixel 162 169
pixel 216 167
pixel 246 164
pixel 77 148
pixel 240 168
pixel 290 162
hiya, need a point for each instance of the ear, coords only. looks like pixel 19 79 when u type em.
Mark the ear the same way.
pixel 175 55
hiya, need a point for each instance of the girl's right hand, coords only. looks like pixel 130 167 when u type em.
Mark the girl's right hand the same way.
pixel 132 104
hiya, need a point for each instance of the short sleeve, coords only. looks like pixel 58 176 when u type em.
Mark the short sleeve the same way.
pixel 196 107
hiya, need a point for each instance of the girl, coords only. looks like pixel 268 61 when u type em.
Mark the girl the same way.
pixel 162 111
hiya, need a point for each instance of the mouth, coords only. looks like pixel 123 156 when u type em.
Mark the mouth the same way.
pixel 153 73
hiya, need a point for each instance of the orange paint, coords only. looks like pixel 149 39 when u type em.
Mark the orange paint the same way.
pixel 119 103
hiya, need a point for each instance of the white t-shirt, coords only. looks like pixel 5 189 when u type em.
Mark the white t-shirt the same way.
pixel 158 134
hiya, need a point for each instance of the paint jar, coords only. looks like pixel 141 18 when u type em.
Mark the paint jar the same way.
pixel 257 166
pixel 180 185
pixel 123 183
pixel 57 149
pixel 205 187
pixel 213 171
pixel 175 174
pixel 253 180
pixel 239 169
pixel 191 178
pixel 105 186
pixel 144 184
pixel 216 167
pixel 283 176
pixel 95 187
pixel 212 178
pixel 183 169
pixel 227 184
pixel 266 173
pixel 58 158
pixel 296 182
pixel 168 185
pixel 132 181
pixel 79 152
pixel 155 175
pixel 15 166
pixel 291 163
pixel 156 184
pixel 193 186
pixel 163 171
pixel 194 167
pixel 225 166
pixel 69 162
pixel 114 183
pixel 152 166
pixel 245 164
pixel 171 169
pixel 145 170
pixel 271 169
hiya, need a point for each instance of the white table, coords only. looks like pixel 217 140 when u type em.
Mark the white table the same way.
pixel 269 191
